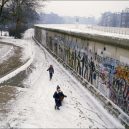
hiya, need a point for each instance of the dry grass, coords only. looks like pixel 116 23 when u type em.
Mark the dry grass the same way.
pixel 17 81
pixel 9 91
pixel 12 63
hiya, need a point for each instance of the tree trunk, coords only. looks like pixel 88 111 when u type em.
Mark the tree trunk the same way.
pixel 1 32
pixel 1 10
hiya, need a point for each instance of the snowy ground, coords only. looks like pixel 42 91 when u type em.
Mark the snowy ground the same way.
pixel 23 43
pixel 24 55
pixel 35 106
pixel 6 51
pixel 4 33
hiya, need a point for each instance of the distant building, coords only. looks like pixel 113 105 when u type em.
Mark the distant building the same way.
pixel 125 18
pixel 110 19
pixel 120 19
pixel 116 19
pixel 106 19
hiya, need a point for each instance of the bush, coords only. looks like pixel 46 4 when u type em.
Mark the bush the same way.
pixel 17 32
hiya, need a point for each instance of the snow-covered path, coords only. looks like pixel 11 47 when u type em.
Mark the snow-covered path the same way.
pixel 35 107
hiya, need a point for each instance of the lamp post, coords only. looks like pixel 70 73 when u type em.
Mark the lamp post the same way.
pixel 77 22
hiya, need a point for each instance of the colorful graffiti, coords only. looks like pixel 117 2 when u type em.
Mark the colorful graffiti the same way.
pixel 110 76
pixel 122 72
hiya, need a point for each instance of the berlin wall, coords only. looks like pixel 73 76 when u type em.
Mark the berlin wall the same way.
pixel 101 60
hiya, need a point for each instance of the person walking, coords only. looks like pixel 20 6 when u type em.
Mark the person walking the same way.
pixel 56 96
pixel 51 71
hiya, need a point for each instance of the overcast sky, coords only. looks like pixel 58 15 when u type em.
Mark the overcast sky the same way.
pixel 84 8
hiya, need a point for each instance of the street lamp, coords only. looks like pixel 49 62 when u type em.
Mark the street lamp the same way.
pixel 77 22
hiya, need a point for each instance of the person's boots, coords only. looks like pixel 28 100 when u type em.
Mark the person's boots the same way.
pixel 58 108
pixel 50 77
pixel 55 107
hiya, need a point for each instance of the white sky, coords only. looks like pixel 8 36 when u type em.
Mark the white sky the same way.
pixel 84 8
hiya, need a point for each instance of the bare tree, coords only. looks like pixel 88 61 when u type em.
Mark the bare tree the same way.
pixel 2 4
pixel 23 13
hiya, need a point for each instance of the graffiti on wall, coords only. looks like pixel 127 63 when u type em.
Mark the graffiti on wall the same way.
pixel 110 76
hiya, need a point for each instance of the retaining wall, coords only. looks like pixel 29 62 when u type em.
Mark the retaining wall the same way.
pixel 75 51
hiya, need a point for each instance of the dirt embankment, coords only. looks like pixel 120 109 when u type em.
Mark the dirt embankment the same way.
pixel 12 63
pixel 10 89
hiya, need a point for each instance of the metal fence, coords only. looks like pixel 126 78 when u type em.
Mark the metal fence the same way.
pixel 116 30
pixel 93 28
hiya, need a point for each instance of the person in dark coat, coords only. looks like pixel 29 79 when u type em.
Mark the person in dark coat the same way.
pixel 59 96
pixel 51 71
pixel 56 96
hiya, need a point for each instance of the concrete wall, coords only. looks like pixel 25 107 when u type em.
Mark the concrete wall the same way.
pixel 110 59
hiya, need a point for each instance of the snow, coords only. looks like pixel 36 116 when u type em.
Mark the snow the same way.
pixel 28 55
pixel 83 29
pixel 27 49
pixel 6 51
pixel 15 72
pixel 35 107
pixel 4 33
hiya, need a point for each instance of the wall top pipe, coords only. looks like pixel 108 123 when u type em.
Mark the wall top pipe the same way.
pixel 118 40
